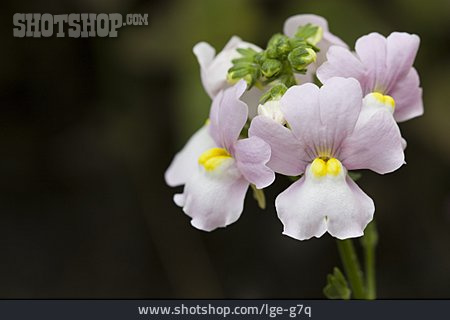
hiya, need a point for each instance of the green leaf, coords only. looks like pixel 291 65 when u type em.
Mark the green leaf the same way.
pixel 337 286
pixel 259 196
pixel 246 51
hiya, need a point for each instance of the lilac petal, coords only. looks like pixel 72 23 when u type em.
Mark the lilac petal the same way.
pixel 340 104
pixel 401 51
pixel 213 200
pixel 408 97
pixel 371 49
pixel 291 26
pixel 332 40
pixel 287 155
pixel 228 115
pixel 341 62
pixel 312 206
pixel 300 106
pixel 185 161
pixel 321 119
pixel 329 40
pixel 252 155
pixel 376 144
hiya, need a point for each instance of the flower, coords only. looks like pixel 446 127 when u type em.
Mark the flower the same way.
pixel 381 65
pixel 328 39
pixel 327 138
pixel 216 183
pixel 214 69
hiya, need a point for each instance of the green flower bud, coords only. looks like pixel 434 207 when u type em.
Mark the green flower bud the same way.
pixel 260 57
pixel 301 57
pixel 278 46
pixel 271 67
pixel 310 33
pixel 245 67
pixel 275 93
pixel 247 71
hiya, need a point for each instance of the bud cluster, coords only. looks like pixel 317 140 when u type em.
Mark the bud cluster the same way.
pixel 283 57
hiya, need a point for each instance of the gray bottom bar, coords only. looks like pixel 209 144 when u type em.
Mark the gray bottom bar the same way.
pixel 224 309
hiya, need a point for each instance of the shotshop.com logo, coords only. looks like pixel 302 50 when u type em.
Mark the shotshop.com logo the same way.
pixel 74 25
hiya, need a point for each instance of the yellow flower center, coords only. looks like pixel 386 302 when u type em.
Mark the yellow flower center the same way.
pixel 213 158
pixel 321 167
pixel 384 99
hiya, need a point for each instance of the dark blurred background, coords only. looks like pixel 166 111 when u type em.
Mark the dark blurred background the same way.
pixel 88 126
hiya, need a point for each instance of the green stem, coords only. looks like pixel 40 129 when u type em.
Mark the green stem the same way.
pixel 369 242
pixel 370 273
pixel 352 268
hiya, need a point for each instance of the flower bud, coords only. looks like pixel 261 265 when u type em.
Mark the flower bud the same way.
pixel 244 70
pixel 301 57
pixel 271 67
pixel 310 33
pixel 271 109
pixel 275 93
pixel 279 46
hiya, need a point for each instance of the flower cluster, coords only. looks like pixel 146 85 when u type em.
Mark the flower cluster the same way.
pixel 267 116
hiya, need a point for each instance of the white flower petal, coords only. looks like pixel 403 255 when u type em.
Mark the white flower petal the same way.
pixel 214 199
pixel 316 204
pixel 214 69
pixel 185 161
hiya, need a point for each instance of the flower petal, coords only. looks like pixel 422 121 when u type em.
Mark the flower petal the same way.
pixel 214 69
pixel 287 155
pixel 205 54
pixel 292 23
pixel 214 199
pixel 340 104
pixel 408 97
pixel 185 161
pixel 297 211
pixel 371 49
pixel 355 213
pixel 375 144
pixel 312 206
pixel 341 62
pixel 251 155
pixel 401 51
pixel 321 119
pixel 300 106
pixel 228 115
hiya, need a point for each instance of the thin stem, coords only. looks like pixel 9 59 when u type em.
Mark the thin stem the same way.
pixel 369 242
pixel 370 273
pixel 352 268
